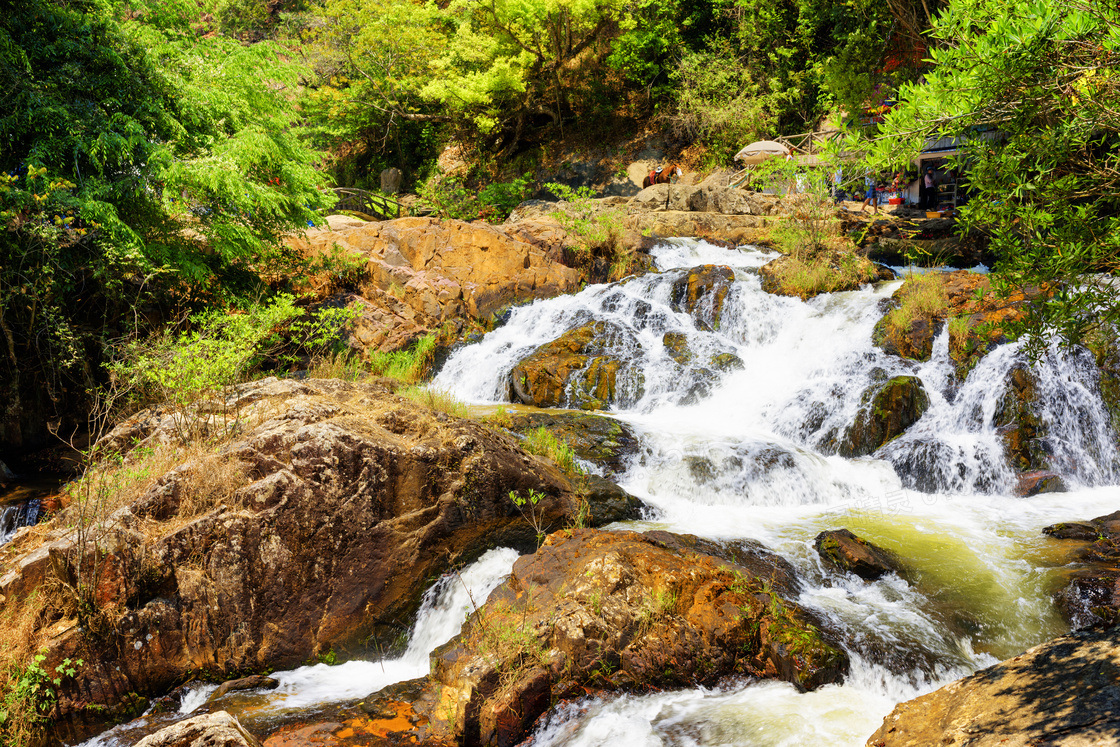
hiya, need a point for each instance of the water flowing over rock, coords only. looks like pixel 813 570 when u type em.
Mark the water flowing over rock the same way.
pixel 610 611
pixel 351 499
pixel 580 369
pixel 701 293
pixel 1063 693
pixel 889 410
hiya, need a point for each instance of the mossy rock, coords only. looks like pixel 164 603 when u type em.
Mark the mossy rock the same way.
pixel 602 440
pixel 676 345
pixel 888 410
pixel 845 552
pixel 701 293
pixel 579 369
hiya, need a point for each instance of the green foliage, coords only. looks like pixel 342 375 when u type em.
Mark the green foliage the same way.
pixel 139 165
pixel 451 198
pixel 530 509
pixel 1033 91
pixel 221 350
pixel 718 102
pixel 30 693
pixel 542 442
pixel 408 366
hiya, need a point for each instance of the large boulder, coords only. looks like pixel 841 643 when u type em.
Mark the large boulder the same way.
pixel 420 272
pixel 701 293
pixel 335 507
pixel 580 369
pixel 1064 693
pixel 618 610
pixel 209 730
pixel 597 611
pixel 887 411
pixel 606 442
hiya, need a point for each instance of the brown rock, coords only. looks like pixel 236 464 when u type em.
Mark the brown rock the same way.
pixel 252 682
pixel 354 499
pixel 1064 693
pixel 1091 595
pixel 701 292
pixel 575 370
pixel 1042 481
pixel 847 553
pixel 209 730
pixel 421 272
pixel 617 610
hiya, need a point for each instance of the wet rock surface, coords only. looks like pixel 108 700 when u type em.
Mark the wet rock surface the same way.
pixel 701 294
pixel 845 552
pixel 597 611
pixel 601 440
pixel 351 499
pixel 888 411
pixel 1064 693
pixel 620 610
pixel 580 369
pixel 1091 595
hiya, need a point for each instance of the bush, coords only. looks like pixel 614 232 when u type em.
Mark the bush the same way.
pixel 451 198
pixel 718 104
pixel 407 366
pixel 223 349
pixel 598 248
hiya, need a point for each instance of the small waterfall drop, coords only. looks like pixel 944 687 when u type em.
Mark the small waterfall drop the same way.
pixel 753 455
pixel 443 611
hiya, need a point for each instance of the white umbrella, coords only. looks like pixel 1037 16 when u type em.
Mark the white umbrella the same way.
pixel 761 151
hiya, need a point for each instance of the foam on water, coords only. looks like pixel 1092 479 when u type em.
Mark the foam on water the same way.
pixel 753 457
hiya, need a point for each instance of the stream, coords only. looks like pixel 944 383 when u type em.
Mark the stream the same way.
pixel 744 454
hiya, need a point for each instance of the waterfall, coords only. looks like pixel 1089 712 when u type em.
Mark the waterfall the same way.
pixel 753 455
pixel 750 452
pixel 14 516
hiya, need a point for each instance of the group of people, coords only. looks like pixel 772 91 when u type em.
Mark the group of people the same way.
pixel 929 195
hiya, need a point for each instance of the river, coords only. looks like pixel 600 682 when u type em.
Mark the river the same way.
pixel 745 454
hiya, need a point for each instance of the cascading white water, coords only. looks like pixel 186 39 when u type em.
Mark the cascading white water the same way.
pixel 752 456
pixel 444 608
pixel 15 516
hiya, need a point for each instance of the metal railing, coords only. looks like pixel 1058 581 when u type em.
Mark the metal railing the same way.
pixel 373 204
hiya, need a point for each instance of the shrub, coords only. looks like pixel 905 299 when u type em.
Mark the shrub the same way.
pixel 598 232
pixel 220 350
pixel 451 198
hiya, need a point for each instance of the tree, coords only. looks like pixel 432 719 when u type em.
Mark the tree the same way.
pixel 138 165
pixel 511 60
pixel 1033 92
